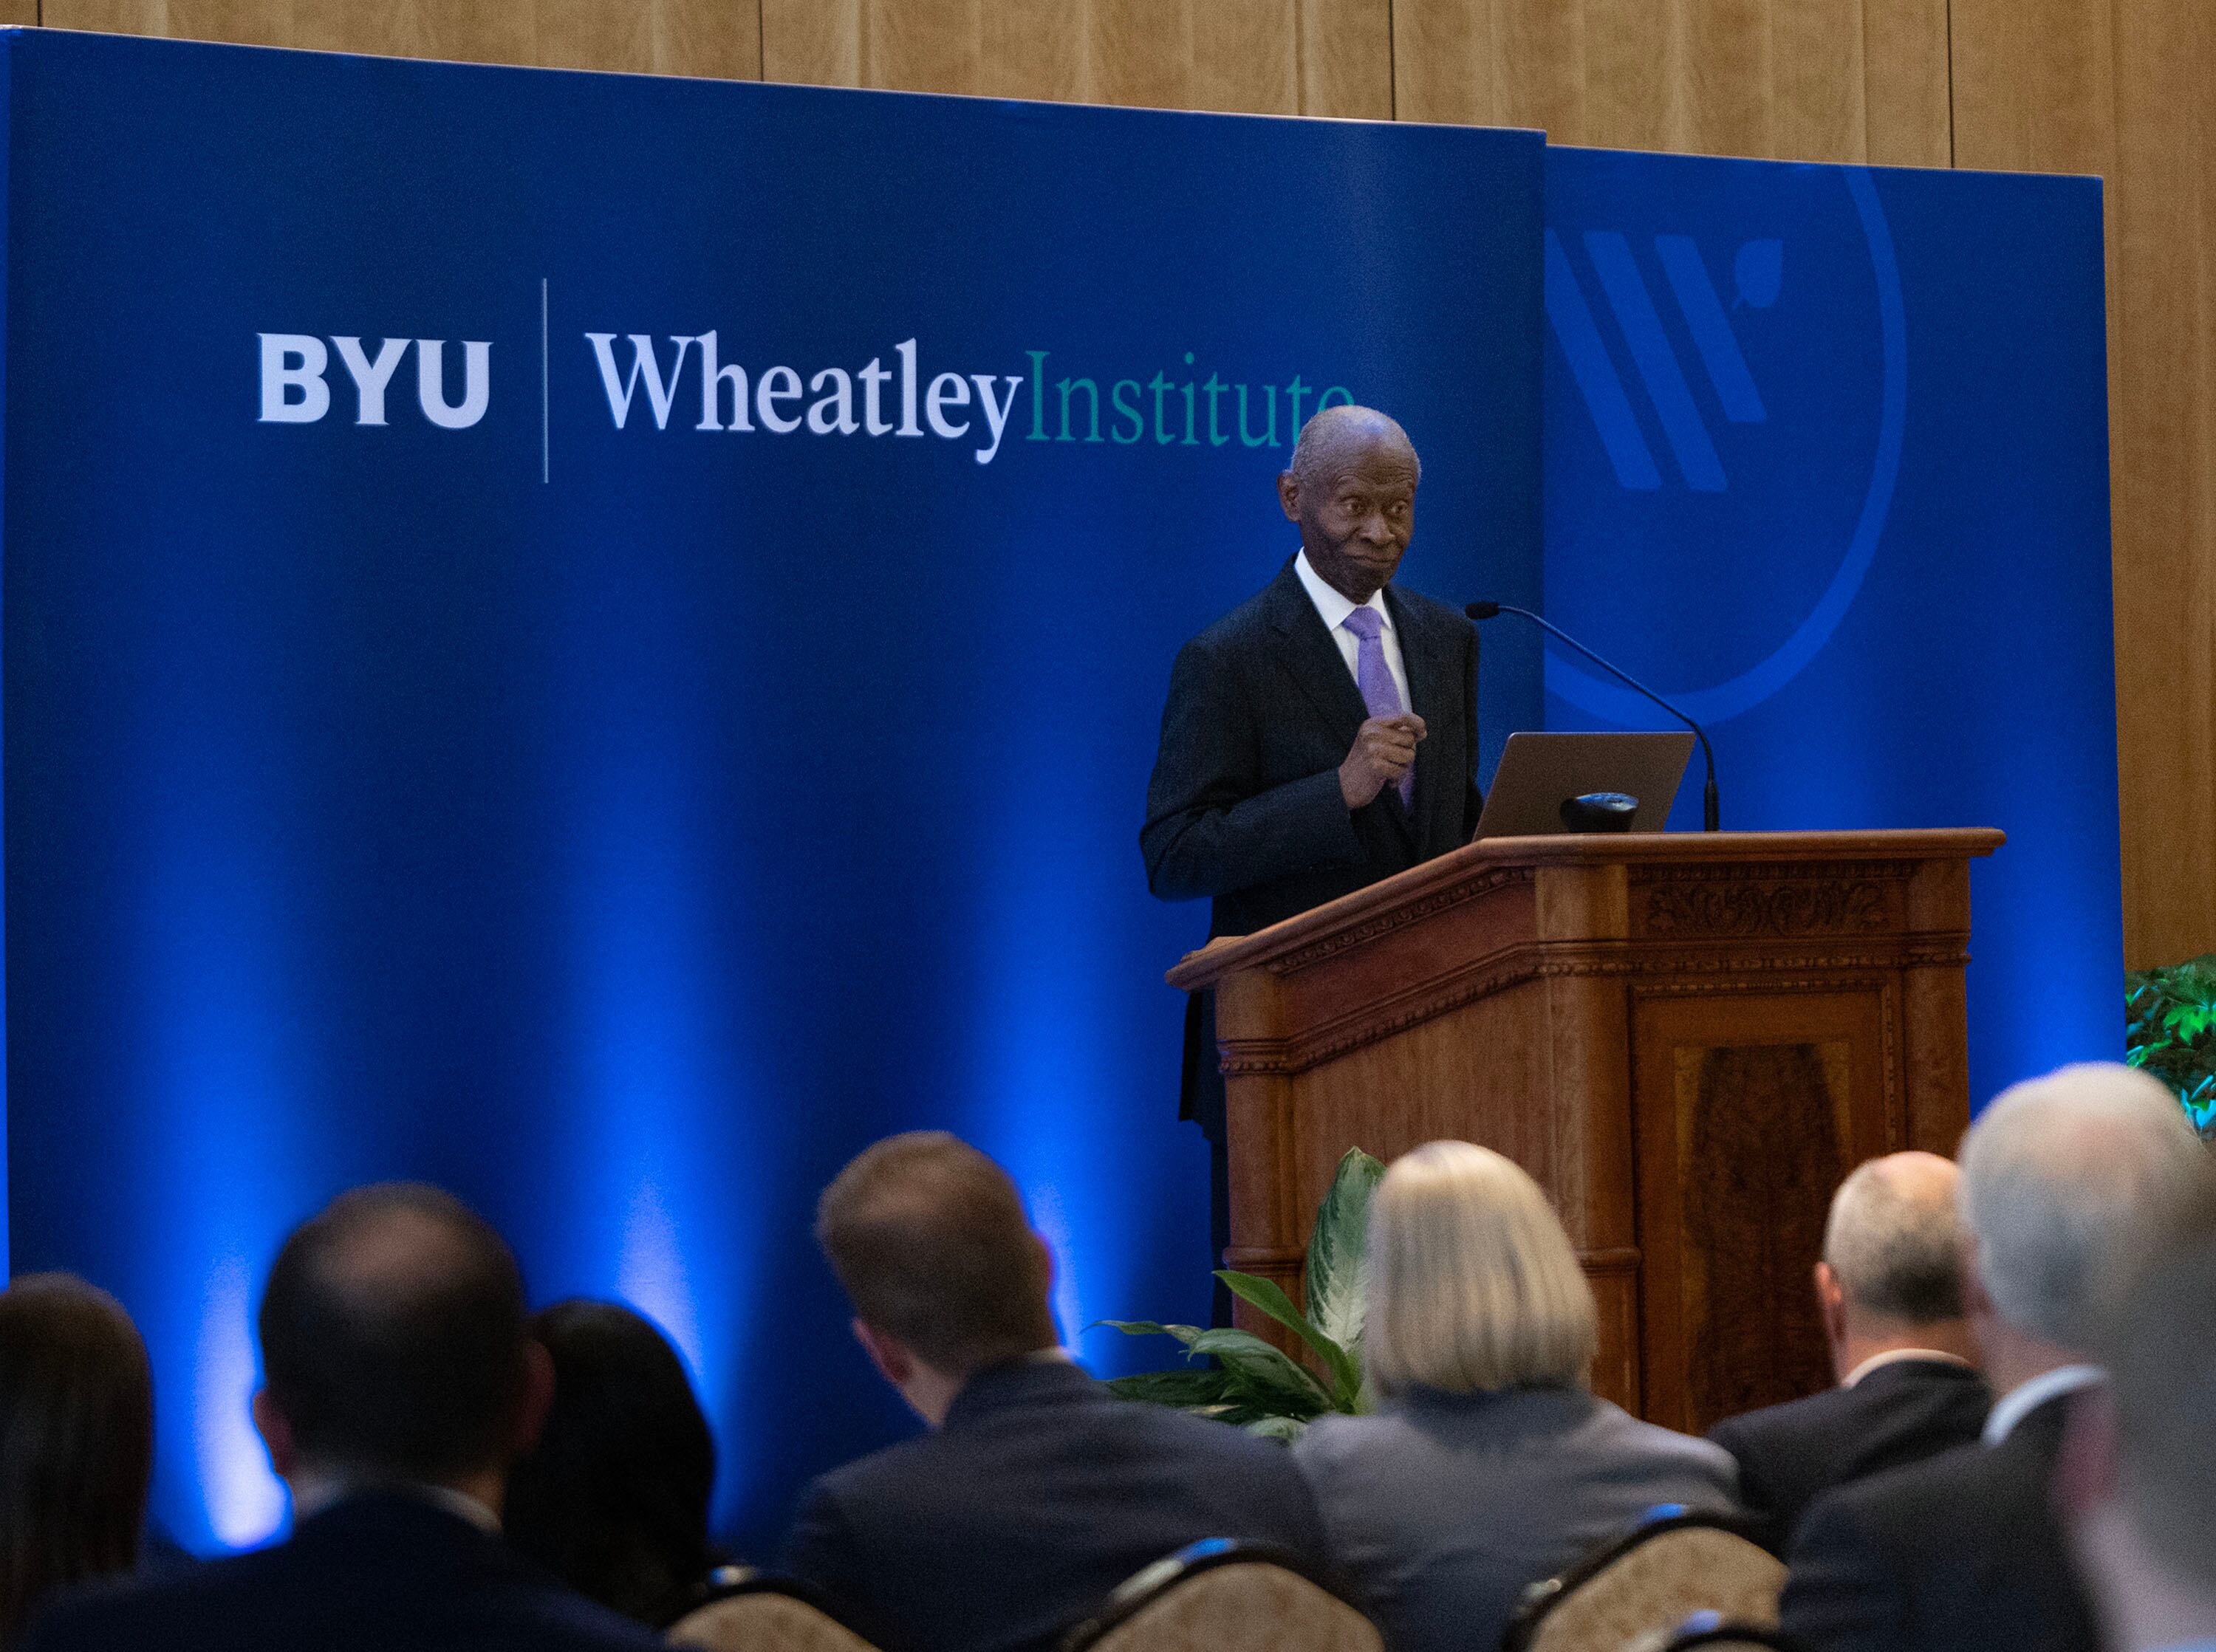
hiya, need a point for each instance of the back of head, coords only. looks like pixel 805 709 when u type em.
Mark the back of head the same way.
pixel 2063 1177
pixel 2158 1344
pixel 930 1239
pixel 1472 1283
pixel 77 1440
pixel 1894 1239
pixel 392 1337
pixel 613 1499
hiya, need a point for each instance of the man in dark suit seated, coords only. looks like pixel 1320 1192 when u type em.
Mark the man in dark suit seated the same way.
pixel 1036 1491
pixel 2063 1179
pixel 400 1383
pixel 1890 1291
pixel 2137 1483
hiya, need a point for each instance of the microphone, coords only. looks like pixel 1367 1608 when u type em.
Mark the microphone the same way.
pixel 1487 610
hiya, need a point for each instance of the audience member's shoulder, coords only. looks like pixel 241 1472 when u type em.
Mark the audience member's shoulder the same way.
pixel 1908 1497
pixel 127 1611
pixel 1610 1427
pixel 1201 1437
pixel 551 1617
pixel 1788 1417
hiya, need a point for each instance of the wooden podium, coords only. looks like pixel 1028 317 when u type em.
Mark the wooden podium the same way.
pixel 1687 1038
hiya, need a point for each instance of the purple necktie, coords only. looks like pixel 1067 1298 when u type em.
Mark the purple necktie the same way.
pixel 1380 693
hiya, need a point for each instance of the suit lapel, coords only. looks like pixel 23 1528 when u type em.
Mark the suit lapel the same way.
pixel 1431 691
pixel 1312 659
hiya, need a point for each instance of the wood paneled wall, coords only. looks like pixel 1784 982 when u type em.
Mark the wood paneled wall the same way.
pixel 720 38
pixel 2121 88
pixel 1842 80
pixel 1261 57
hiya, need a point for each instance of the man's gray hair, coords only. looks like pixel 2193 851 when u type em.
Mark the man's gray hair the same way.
pixel 1328 428
pixel 1894 1240
pixel 2063 1178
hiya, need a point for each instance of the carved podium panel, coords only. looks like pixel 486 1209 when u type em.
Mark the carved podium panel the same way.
pixel 1688 1039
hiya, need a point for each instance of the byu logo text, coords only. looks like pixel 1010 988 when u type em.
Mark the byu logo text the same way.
pixel 295 391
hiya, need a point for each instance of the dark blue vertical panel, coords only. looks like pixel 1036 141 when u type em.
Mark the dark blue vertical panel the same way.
pixel 623 826
pixel 1889 596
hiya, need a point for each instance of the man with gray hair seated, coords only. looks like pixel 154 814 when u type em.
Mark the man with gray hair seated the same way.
pixel 1890 1291
pixel 2064 1179
pixel 2137 1485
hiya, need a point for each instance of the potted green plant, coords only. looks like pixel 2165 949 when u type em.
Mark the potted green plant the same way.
pixel 1253 1383
pixel 2169 1030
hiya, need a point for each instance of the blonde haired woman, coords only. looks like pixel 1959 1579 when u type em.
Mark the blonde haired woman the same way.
pixel 1488 1464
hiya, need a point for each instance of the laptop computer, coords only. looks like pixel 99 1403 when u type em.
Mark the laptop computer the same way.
pixel 1539 772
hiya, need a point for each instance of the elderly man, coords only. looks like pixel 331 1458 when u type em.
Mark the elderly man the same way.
pixel 2063 1178
pixel 2137 1485
pixel 1321 736
pixel 1036 1491
pixel 1890 1291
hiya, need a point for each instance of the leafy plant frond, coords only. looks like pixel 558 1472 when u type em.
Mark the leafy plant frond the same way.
pixel 1339 1248
pixel 1345 1375
pixel 1190 1389
pixel 1253 1384
pixel 2170 1031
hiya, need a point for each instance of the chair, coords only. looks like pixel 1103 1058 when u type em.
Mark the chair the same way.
pixel 743 1610
pixel 1222 1596
pixel 1673 1564
pixel 1708 1631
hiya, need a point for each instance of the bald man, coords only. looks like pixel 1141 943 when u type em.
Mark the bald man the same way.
pixel 1890 1291
pixel 1323 734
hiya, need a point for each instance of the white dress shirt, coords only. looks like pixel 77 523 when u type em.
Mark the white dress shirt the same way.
pixel 1894 1356
pixel 2024 1399
pixel 1334 609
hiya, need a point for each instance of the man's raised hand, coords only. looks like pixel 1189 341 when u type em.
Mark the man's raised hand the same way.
pixel 1384 750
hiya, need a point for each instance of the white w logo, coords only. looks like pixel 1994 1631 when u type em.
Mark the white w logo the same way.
pixel 1758 269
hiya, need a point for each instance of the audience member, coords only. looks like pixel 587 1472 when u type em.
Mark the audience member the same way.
pixel 1489 1465
pixel 1890 1292
pixel 1036 1492
pixel 77 1440
pixel 400 1384
pixel 2062 1177
pixel 2137 1485
pixel 613 1499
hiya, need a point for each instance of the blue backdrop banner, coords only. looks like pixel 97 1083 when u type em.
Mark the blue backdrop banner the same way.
pixel 1826 458
pixel 597 641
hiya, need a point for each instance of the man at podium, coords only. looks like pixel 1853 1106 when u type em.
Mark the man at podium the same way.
pixel 1321 736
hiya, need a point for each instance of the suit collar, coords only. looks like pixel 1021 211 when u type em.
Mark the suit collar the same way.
pixel 2042 1390
pixel 1311 659
pixel 403 1516
pixel 1030 1380
pixel 1921 1361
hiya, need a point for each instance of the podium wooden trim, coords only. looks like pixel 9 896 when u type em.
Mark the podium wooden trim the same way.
pixel 1687 1038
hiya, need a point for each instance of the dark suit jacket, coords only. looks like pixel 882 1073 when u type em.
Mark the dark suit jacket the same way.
pixel 1443 1509
pixel 1244 807
pixel 1901 1413
pixel 1958 1553
pixel 377 1573
pixel 1042 1492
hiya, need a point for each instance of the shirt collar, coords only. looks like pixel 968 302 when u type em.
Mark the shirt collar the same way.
pixel 1894 1356
pixel 1331 605
pixel 313 1493
pixel 2024 1399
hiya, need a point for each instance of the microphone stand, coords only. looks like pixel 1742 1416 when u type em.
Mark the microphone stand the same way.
pixel 1482 611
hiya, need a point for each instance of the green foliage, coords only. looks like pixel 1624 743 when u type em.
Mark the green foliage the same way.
pixel 2169 1030
pixel 1253 1384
